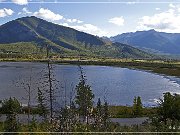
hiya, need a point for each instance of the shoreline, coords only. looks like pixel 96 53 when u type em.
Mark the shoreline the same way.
pixel 154 66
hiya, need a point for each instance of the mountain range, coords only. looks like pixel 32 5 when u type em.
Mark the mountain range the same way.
pixel 32 35
pixel 151 40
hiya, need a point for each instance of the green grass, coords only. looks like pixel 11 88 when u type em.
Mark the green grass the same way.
pixel 22 47
pixel 127 112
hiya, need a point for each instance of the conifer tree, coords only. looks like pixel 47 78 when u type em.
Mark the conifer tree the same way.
pixel 11 108
pixel 84 98
pixel 98 114
pixel 105 115
pixel 99 108
pixel 137 106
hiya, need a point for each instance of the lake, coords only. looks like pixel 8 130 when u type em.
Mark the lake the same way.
pixel 116 85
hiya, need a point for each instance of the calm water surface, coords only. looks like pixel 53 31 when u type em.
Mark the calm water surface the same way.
pixel 116 85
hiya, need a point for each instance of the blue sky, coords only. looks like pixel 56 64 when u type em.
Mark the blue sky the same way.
pixel 102 18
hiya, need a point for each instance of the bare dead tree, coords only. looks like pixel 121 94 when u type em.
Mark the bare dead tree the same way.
pixel 50 81
pixel 27 85
pixel 51 85
pixel 29 92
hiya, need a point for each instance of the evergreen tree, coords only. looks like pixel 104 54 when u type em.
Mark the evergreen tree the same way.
pixel 11 108
pixel 102 116
pixel 169 110
pixel 98 114
pixel 84 98
pixel 137 106
pixel 105 114
pixel 99 108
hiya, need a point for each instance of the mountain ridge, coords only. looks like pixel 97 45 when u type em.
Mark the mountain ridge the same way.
pixel 157 41
pixel 63 40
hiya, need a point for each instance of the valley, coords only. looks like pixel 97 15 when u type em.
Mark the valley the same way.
pixel 53 74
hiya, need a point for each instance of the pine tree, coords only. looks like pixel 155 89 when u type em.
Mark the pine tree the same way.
pixel 105 115
pixel 169 109
pixel 99 108
pixel 137 106
pixel 84 98
pixel 98 114
pixel 11 108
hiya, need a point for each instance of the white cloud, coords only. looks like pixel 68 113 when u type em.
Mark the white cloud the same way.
pixel 79 25
pixel 117 21
pixel 25 11
pixel 6 12
pixel 167 21
pixel 20 2
pixel 64 24
pixel 158 9
pixel 79 21
pixel 88 28
pixel 48 15
pixel 74 21
pixel 172 5
pixel 51 16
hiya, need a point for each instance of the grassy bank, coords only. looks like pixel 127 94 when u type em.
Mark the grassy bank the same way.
pixel 162 67
pixel 127 112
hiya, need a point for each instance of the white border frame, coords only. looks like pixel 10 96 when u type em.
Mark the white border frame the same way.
pixel 90 2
